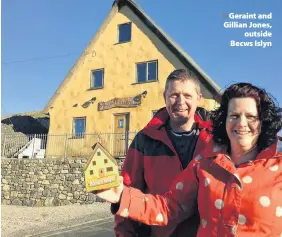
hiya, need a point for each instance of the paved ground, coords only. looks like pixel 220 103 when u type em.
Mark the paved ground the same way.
pixel 101 228
pixel 71 221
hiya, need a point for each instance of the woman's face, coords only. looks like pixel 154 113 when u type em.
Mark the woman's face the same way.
pixel 243 126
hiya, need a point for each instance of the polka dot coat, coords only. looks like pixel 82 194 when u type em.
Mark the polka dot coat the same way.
pixel 243 201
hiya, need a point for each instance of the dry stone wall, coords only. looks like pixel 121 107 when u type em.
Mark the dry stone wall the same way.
pixel 45 182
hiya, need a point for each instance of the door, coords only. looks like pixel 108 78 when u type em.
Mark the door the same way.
pixel 101 173
pixel 121 128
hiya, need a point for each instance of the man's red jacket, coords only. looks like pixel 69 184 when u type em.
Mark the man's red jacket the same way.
pixel 151 165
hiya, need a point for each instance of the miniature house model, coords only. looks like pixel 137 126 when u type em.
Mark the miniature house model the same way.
pixel 101 170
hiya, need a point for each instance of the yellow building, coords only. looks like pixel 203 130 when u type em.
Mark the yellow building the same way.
pixel 117 83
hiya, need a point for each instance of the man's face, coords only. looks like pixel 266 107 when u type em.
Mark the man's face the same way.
pixel 181 99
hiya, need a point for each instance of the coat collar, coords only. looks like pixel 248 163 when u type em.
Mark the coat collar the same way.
pixel 162 117
pixel 273 151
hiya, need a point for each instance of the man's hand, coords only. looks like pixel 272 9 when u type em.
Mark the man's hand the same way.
pixel 112 195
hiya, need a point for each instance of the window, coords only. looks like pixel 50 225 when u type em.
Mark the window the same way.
pixel 124 32
pixel 121 123
pixel 105 161
pixel 110 169
pixel 97 78
pixel 79 125
pixel 147 71
pixel 91 172
pixel 94 162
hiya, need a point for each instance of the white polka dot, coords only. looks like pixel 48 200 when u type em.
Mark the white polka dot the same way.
pixel 159 218
pixel 264 201
pixel 124 213
pixel 219 204
pixel 247 179
pixel 274 168
pixel 242 219
pixel 199 157
pixel 278 211
pixel 204 223
pixel 184 208
pixel 216 148
pixel 179 186
pixel 207 182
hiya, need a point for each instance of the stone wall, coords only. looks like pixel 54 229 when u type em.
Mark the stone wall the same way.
pixel 45 182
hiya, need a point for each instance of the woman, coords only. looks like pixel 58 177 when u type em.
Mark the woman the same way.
pixel 236 182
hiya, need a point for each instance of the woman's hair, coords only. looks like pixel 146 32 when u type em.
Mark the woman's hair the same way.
pixel 270 115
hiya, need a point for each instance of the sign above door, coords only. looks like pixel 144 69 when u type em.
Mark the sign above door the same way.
pixel 128 102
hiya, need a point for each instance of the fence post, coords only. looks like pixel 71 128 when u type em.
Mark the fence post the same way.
pixel 32 154
pixel 126 141
pixel 4 145
pixel 99 138
pixel 65 152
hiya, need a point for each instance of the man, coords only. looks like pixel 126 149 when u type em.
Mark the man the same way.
pixel 162 149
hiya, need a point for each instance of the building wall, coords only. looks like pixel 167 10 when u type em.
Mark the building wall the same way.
pixel 119 63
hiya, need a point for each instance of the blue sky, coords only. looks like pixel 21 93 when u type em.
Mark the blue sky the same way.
pixel 42 30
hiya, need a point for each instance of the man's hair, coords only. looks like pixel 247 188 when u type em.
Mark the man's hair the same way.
pixel 183 75
pixel 270 115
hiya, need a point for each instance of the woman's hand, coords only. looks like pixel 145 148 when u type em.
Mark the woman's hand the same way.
pixel 112 195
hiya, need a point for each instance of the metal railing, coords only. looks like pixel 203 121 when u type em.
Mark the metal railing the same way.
pixel 63 145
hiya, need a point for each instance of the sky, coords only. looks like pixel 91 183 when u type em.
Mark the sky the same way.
pixel 41 40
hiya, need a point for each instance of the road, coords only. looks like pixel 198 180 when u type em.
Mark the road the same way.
pixel 101 227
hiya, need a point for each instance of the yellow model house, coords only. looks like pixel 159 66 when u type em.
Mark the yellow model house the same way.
pixel 117 83
pixel 101 170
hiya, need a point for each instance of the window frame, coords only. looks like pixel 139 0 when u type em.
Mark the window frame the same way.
pixel 147 63
pixel 118 32
pixel 74 135
pixel 93 87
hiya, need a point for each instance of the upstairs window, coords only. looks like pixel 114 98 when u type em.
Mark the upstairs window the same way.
pixel 79 125
pixel 124 32
pixel 147 71
pixel 97 79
